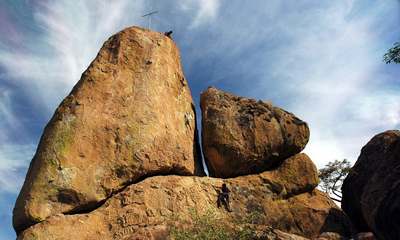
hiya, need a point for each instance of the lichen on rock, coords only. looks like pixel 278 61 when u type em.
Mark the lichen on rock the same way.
pixel 124 120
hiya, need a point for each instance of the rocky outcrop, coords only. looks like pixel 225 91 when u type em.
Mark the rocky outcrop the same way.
pixel 243 136
pixel 129 117
pixel 275 234
pixel 117 159
pixel 147 210
pixel 371 191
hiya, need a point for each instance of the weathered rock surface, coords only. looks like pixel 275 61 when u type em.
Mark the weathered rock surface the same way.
pixel 270 233
pixel 371 191
pixel 365 236
pixel 331 236
pixel 243 136
pixel 283 198
pixel 130 116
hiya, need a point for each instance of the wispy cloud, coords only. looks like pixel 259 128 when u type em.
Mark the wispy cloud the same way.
pixel 333 78
pixel 8 121
pixel 71 34
pixel 323 61
pixel 13 161
pixel 207 10
pixel 14 157
pixel 47 63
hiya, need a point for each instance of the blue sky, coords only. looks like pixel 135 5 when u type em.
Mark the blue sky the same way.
pixel 321 60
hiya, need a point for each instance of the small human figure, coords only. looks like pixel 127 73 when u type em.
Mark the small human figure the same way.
pixel 223 197
pixel 168 34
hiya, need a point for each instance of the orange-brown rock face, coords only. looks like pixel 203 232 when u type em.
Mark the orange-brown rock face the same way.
pixel 148 209
pixel 242 136
pixel 130 116
pixel 371 191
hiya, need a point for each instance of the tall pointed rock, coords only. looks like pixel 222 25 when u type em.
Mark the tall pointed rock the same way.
pixel 130 116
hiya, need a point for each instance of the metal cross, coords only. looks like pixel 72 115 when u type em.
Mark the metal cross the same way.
pixel 148 15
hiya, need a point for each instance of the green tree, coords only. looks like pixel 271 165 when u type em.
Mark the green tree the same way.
pixel 332 176
pixel 393 54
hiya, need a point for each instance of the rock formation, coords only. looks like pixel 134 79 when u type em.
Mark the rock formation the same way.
pixel 130 116
pixel 117 159
pixel 371 191
pixel 242 136
pixel 284 198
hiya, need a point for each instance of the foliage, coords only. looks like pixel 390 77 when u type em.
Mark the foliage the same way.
pixel 393 54
pixel 209 226
pixel 247 229
pixel 205 226
pixel 332 176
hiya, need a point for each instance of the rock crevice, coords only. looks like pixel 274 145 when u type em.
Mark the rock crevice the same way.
pixel 84 209
pixel 150 207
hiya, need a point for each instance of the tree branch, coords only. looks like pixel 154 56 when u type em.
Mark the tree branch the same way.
pixel 337 195
pixel 335 199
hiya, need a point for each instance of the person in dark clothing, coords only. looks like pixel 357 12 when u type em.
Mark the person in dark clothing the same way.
pixel 168 34
pixel 223 197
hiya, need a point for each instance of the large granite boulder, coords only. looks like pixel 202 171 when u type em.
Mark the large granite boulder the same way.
pixel 129 117
pixel 282 199
pixel 243 136
pixel 371 191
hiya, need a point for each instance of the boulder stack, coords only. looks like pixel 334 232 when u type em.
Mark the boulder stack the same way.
pixel 243 136
pixel 371 191
pixel 120 158
pixel 284 199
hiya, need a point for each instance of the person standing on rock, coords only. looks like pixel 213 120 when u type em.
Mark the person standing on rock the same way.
pixel 168 34
pixel 223 197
